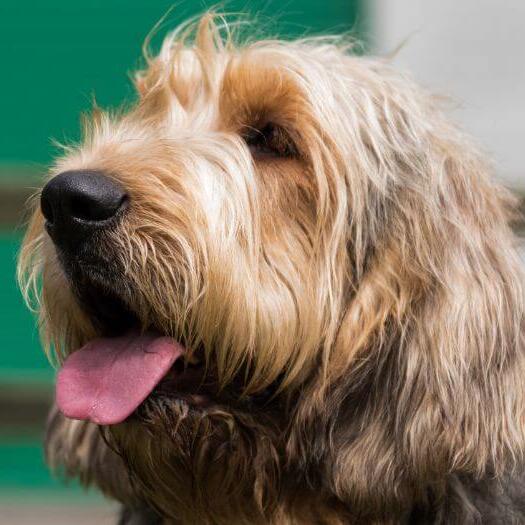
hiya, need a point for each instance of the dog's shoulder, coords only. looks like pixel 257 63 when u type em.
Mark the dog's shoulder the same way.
pixel 467 501
pixel 139 516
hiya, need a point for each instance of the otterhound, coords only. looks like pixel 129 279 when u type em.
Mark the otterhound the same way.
pixel 282 289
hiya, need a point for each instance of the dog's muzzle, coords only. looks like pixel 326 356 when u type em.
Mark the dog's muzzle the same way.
pixel 78 204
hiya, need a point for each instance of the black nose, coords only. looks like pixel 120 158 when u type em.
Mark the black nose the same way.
pixel 76 203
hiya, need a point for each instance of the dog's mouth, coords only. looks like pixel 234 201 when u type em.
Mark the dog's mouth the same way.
pixel 108 378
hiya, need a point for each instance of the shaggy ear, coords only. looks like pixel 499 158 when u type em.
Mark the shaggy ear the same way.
pixel 441 301
pixel 461 403
pixel 429 365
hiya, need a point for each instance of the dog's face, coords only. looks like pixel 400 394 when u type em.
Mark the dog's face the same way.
pixel 229 226
pixel 252 279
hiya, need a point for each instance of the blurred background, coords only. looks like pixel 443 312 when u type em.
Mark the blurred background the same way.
pixel 57 55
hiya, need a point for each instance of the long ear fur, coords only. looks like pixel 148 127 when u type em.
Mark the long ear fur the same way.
pixel 429 371
pixel 460 404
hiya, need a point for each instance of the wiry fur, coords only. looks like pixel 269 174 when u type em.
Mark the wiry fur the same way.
pixel 371 281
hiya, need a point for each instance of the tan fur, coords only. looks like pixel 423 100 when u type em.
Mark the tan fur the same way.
pixel 373 274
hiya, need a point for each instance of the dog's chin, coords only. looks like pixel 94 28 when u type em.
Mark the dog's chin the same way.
pixel 185 460
pixel 191 444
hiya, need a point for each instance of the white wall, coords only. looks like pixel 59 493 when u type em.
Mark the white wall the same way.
pixel 472 50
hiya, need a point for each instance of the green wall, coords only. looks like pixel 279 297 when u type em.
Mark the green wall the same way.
pixel 21 359
pixel 57 55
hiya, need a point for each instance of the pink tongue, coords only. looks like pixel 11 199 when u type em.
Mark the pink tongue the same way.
pixel 108 378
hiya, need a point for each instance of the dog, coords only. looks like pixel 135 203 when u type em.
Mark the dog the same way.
pixel 281 288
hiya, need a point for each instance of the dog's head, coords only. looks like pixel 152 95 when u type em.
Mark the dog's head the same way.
pixel 282 272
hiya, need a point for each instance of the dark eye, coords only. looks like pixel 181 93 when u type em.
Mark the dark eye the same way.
pixel 269 140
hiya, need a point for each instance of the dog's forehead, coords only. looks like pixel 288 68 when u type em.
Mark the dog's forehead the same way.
pixel 254 87
pixel 188 95
pixel 228 88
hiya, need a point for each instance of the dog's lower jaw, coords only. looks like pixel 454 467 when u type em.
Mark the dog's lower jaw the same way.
pixel 172 465
pixel 198 465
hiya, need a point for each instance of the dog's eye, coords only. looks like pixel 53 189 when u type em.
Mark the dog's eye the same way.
pixel 269 141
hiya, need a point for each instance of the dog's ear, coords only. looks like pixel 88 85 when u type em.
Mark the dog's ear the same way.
pixel 455 283
pixel 428 372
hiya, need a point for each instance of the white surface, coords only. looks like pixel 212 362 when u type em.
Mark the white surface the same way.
pixel 473 51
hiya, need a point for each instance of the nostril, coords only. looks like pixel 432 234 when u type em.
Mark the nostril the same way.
pixel 92 196
pixel 87 207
